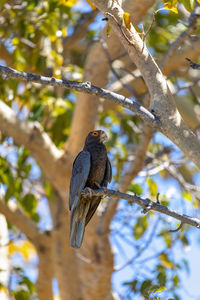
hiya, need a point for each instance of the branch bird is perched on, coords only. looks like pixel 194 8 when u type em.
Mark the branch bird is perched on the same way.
pixel 91 169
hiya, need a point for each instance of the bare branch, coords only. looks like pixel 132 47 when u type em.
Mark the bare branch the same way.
pixel 146 204
pixel 84 87
pixel 80 30
pixel 142 248
pixel 110 61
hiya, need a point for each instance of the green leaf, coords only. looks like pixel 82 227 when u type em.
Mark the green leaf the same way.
pixel 29 203
pixel 140 227
pixel 189 4
pixel 152 187
pixel 161 277
pixel 21 295
pixel 168 239
pixel 145 287
pixel 159 289
pixel 165 261
pixel 176 280
pixel 9 193
pixel 187 196
pixel 26 281
pixel 135 188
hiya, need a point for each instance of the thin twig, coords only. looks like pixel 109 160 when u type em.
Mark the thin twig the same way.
pixel 150 27
pixel 178 228
pixel 80 30
pixel 110 61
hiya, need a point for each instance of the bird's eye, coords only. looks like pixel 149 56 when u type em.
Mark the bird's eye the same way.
pixel 95 133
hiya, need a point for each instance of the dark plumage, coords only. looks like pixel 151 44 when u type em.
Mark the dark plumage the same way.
pixel 91 169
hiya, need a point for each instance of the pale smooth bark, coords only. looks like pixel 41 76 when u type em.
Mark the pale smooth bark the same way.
pixel 162 102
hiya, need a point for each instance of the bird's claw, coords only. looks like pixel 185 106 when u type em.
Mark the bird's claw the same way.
pixel 86 191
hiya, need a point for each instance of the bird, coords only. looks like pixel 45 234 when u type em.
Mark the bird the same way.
pixel 92 170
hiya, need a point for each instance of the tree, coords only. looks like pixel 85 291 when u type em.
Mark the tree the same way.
pixel 44 121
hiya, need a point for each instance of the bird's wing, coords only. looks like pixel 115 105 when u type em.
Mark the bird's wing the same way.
pixel 93 207
pixel 80 172
pixel 108 173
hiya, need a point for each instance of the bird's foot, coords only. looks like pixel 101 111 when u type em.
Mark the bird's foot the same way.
pixel 105 189
pixel 87 191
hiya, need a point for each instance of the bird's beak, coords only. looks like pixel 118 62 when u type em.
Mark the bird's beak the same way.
pixel 103 136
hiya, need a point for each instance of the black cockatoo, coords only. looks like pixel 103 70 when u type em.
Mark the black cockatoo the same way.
pixel 91 169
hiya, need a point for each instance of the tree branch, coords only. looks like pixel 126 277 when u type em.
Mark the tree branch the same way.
pixel 31 135
pixel 80 30
pixel 162 101
pixel 97 71
pixel 183 36
pixel 138 163
pixel 85 87
pixel 146 204
pixel 18 219
pixel 131 172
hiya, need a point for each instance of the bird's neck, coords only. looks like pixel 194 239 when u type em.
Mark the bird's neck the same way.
pixel 90 146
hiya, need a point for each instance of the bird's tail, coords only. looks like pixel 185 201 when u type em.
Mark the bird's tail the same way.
pixel 78 226
pixel 77 233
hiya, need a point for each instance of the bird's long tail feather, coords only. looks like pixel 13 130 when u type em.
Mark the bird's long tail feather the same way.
pixel 78 223
pixel 77 233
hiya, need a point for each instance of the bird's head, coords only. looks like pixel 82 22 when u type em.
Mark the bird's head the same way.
pixel 96 136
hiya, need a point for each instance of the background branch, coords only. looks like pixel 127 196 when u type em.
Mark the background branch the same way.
pixel 79 31
pixel 31 135
pixel 15 216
